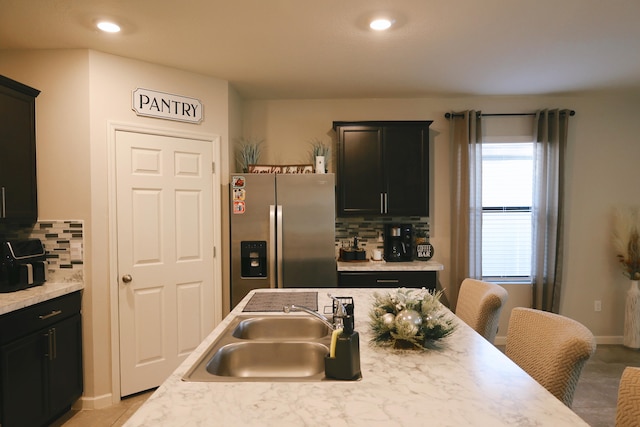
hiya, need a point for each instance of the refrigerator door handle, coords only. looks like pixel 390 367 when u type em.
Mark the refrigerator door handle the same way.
pixel 280 254
pixel 272 246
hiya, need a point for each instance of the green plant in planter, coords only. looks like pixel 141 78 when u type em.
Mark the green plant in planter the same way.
pixel 421 236
pixel 248 152
pixel 319 148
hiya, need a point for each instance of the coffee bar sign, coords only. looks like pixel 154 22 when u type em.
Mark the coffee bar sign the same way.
pixel 166 106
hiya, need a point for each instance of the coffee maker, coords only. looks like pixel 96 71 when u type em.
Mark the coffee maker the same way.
pixel 398 240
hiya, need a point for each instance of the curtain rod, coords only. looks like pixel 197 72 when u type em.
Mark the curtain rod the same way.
pixel 449 115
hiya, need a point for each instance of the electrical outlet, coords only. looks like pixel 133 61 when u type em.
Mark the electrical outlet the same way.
pixel 597 305
pixel 75 251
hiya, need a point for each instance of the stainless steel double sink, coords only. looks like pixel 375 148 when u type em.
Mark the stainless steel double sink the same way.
pixel 265 348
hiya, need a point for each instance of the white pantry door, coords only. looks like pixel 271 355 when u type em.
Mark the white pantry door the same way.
pixel 165 254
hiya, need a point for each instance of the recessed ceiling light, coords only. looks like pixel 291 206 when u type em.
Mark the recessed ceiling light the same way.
pixel 380 24
pixel 108 27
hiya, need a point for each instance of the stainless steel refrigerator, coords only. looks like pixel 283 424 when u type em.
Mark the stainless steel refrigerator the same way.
pixel 282 232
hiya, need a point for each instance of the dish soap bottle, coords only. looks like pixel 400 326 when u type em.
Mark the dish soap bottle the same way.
pixel 346 363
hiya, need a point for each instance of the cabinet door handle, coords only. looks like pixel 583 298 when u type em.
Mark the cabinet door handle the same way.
pixel 386 202
pixel 50 338
pixel 381 202
pixel 54 344
pixel 3 207
pixel 52 314
pixel 387 281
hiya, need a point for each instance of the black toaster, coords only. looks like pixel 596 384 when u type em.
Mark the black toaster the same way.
pixel 23 264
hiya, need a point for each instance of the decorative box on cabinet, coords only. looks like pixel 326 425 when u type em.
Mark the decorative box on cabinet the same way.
pixel 40 361
pixel 383 168
pixel 387 279
pixel 18 186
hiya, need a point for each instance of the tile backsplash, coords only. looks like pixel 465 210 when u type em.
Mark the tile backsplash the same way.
pixel 368 229
pixel 63 243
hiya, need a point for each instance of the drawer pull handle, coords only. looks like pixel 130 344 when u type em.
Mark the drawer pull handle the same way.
pixel 52 314
pixel 387 280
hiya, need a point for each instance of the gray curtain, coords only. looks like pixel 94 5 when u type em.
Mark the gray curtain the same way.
pixel 465 130
pixel 550 133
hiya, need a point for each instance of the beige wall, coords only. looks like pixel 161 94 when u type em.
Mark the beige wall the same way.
pixel 601 171
pixel 62 126
pixel 236 106
pixel 81 92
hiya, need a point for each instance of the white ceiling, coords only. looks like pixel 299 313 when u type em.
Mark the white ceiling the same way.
pixel 323 49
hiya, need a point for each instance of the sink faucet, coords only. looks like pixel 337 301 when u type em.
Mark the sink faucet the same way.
pixel 333 326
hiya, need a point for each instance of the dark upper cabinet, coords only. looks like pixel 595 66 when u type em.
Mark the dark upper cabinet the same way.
pixel 383 168
pixel 18 186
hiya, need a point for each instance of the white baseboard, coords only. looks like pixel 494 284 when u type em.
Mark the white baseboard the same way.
pixel 97 402
pixel 609 340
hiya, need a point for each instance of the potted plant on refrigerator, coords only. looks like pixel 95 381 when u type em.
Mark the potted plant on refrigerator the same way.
pixel 248 152
pixel 320 153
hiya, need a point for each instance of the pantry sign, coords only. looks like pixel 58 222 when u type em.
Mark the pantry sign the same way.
pixel 151 103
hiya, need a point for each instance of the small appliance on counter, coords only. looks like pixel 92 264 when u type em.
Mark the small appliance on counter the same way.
pixel 23 264
pixel 353 252
pixel 398 245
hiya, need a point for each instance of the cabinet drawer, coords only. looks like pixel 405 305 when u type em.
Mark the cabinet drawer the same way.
pixel 30 319
pixel 387 279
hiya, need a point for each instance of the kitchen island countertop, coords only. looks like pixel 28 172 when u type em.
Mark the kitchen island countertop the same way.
pixel 464 381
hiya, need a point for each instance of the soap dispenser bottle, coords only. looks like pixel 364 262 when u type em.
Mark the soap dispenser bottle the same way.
pixel 346 363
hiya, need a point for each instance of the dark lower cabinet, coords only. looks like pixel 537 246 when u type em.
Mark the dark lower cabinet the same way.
pixel 40 362
pixel 387 279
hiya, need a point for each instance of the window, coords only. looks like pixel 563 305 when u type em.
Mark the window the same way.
pixel 507 197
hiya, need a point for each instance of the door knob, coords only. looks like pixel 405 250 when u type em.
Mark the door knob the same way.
pixel 127 278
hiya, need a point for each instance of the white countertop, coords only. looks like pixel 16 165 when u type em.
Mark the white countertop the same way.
pixel 466 382
pixel 371 265
pixel 12 301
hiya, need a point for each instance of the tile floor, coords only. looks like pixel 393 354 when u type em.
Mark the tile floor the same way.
pixel 594 399
pixel 597 391
pixel 113 416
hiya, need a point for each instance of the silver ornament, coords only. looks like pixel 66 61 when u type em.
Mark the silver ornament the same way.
pixel 388 319
pixel 411 318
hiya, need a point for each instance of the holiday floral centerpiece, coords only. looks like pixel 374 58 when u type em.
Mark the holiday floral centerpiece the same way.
pixel 626 241
pixel 409 319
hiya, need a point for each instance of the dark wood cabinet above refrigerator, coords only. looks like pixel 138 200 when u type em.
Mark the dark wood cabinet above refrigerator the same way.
pixel 18 186
pixel 383 168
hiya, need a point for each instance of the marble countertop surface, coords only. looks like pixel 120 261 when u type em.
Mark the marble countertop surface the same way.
pixel 12 301
pixel 371 265
pixel 464 382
